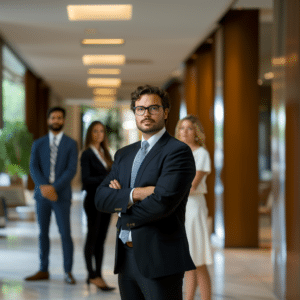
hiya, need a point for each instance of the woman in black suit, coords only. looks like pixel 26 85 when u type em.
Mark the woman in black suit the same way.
pixel 96 163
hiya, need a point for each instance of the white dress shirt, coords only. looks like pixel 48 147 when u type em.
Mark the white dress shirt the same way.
pixel 152 141
pixel 103 162
pixel 58 138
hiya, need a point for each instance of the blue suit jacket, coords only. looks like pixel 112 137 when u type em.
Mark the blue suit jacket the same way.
pixel 65 168
pixel 157 223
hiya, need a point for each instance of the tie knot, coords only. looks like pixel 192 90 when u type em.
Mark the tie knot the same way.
pixel 145 145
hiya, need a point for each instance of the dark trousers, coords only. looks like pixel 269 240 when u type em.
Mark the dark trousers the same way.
pixel 97 223
pixel 62 215
pixel 134 286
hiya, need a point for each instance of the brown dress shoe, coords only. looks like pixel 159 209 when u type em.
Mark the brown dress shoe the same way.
pixel 40 275
pixel 69 278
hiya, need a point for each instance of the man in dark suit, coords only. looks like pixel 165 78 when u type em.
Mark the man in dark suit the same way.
pixel 53 164
pixel 148 186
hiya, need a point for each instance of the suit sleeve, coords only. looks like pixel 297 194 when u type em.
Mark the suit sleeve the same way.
pixel 86 171
pixel 70 171
pixel 35 169
pixel 110 200
pixel 172 187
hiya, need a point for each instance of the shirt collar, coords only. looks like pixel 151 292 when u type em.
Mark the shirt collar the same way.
pixel 58 137
pixel 154 138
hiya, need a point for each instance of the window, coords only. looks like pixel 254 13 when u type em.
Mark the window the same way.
pixel 13 88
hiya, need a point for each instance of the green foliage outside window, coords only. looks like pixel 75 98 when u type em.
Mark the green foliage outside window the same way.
pixel 15 148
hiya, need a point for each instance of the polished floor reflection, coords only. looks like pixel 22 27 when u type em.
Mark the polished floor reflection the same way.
pixel 236 273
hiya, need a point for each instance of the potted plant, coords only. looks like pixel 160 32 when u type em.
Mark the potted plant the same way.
pixel 15 148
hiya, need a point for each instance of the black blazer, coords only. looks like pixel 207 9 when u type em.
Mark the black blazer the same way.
pixel 157 223
pixel 92 171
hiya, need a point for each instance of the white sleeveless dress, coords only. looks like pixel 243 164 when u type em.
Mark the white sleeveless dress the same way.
pixel 197 213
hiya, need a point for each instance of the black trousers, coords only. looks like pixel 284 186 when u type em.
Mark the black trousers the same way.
pixel 97 224
pixel 134 286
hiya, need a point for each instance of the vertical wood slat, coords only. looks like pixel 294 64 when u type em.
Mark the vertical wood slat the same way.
pixel 241 98
pixel 205 106
pixel 190 87
pixel 175 96
pixel 292 69
pixel 37 99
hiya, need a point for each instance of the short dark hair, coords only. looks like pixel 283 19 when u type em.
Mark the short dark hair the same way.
pixel 56 108
pixel 150 90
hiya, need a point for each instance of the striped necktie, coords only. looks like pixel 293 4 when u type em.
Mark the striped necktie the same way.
pixel 53 156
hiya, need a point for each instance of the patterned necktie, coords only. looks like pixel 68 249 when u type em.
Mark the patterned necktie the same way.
pixel 124 234
pixel 53 155
pixel 138 161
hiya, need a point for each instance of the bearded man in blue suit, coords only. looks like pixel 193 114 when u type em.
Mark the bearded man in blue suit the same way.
pixel 149 186
pixel 53 165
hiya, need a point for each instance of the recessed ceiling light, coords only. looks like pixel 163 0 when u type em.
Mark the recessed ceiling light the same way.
pixel 102 42
pixel 107 82
pixel 104 99
pixel 103 59
pixel 104 71
pixel 105 92
pixel 99 12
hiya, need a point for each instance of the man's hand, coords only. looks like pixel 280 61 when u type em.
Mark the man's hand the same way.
pixel 114 184
pixel 49 192
pixel 141 193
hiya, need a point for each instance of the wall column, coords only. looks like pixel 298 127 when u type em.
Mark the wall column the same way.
pixel 175 96
pixel 286 149
pixel 37 95
pixel 241 102
pixel 293 149
pixel 190 87
pixel 205 106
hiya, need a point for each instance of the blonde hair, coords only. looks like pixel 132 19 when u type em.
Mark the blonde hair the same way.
pixel 199 130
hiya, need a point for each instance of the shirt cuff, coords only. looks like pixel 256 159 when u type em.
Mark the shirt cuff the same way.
pixel 130 202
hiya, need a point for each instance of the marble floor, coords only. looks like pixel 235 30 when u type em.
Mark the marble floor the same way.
pixel 236 273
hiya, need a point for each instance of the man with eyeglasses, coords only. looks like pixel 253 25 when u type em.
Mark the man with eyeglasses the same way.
pixel 148 186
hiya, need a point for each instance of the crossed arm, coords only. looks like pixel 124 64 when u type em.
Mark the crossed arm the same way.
pixel 141 193
pixel 138 194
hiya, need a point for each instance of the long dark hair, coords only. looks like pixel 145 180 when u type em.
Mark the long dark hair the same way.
pixel 103 144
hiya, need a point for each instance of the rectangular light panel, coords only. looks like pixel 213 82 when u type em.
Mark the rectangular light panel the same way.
pixel 103 59
pixel 106 82
pixel 104 71
pixel 99 12
pixel 102 42
pixel 104 92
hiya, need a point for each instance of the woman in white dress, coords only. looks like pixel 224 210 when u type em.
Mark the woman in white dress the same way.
pixel 190 131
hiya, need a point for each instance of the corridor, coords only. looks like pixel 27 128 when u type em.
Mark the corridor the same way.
pixel 237 274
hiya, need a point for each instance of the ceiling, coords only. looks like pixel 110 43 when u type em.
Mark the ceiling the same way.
pixel 161 35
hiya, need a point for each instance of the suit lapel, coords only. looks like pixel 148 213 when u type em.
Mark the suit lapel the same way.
pixel 96 160
pixel 152 153
pixel 129 162
pixel 47 154
pixel 59 153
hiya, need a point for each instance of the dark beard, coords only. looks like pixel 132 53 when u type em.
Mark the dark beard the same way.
pixel 59 128
pixel 157 127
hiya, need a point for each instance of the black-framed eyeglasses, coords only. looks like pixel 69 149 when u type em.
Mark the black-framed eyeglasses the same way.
pixel 153 109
